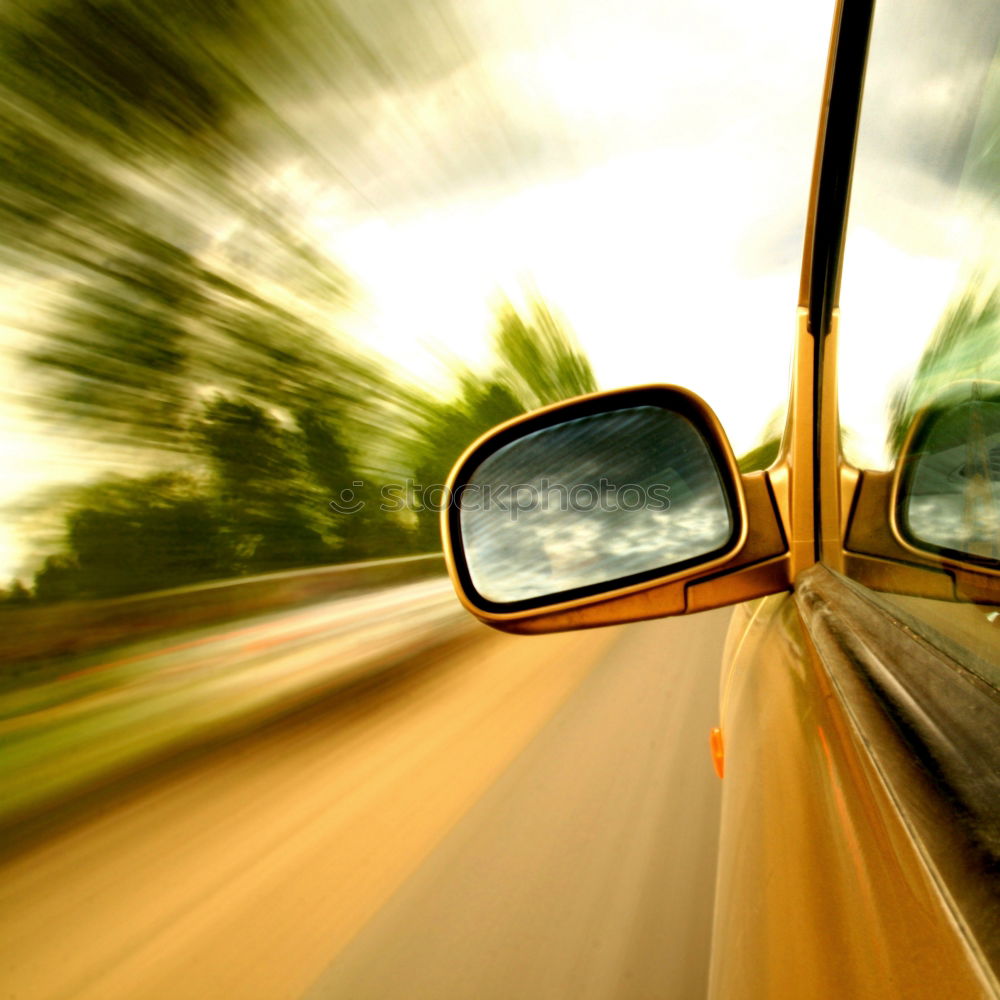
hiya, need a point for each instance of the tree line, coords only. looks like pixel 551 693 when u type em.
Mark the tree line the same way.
pixel 251 475
pixel 188 316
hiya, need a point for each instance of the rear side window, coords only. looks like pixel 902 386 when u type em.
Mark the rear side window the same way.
pixel 920 298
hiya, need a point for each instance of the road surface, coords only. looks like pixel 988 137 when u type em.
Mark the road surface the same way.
pixel 511 817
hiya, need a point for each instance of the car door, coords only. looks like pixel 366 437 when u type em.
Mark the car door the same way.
pixel 861 717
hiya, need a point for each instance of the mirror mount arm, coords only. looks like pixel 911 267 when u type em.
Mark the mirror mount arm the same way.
pixel 762 566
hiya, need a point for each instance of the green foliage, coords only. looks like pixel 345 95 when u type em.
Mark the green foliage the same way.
pixel 766 451
pixel 130 535
pixel 274 449
pixel 15 595
pixel 189 314
pixel 129 139
pixel 760 457
pixel 539 361
pixel 965 345
pixel 118 71
pixel 538 364
pixel 118 357
pixel 446 430
pixel 262 505
pixel 272 460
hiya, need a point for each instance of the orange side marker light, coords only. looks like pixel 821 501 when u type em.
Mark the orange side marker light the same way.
pixel 718 753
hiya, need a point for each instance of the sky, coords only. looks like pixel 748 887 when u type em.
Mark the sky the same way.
pixel 647 169
pixel 644 167
pixel 654 172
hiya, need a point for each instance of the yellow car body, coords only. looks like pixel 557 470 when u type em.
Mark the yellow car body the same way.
pixel 858 741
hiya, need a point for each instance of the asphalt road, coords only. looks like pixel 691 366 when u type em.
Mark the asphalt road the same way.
pixel 514 818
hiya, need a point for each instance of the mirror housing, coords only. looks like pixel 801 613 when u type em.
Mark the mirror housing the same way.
pixel 928 528
pixel 530 566
pixel 946 497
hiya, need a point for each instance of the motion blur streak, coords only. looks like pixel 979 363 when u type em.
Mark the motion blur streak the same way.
pixel 486 825
pixel 199 370
pixel 104 720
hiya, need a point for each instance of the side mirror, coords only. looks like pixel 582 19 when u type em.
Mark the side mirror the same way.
pixel 603 509
pixel 931 527
pixel 947 496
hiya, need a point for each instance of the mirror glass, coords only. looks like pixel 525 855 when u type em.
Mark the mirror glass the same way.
pixel 950 494
pixel 598 498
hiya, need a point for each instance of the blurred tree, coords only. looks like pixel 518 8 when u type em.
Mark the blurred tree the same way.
pixel 130 140
pixel 118 358
pixel 965 345
pixel 272 515
pixel 766 451
pixel 59 579
pixel 15 595
pixel 760 457
pixel 119 73
pixel 129 535
pixel 539 359
pixel 368 531
pixel 445 431
pixel 538 363
pixel 141 146
pixel 137 112
pixel 138 346
pixel 274 456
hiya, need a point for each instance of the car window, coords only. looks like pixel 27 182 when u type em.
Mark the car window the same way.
pixel 920 299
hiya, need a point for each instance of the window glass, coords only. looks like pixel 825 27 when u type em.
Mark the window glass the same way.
pixel 922 264
pixel 920 298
